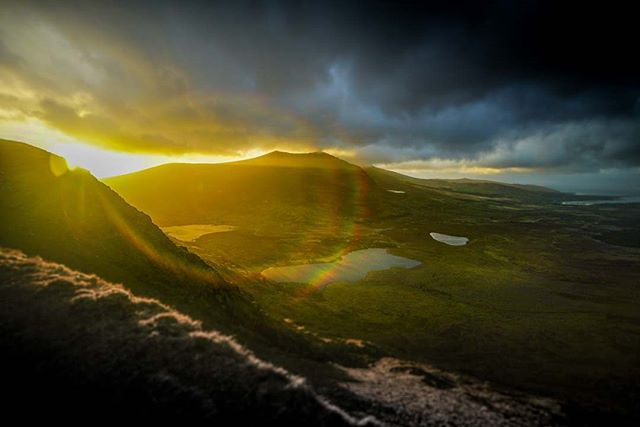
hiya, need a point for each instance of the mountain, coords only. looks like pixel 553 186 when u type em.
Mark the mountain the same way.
pixel 316 160
pixel 71 217
pixel 287 191
pixel 282 190
pixel 290 208
pixel 68 216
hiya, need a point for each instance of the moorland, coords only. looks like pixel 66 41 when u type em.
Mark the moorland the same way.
pixel 542 300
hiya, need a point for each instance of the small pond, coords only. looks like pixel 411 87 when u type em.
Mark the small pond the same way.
pixel 449 240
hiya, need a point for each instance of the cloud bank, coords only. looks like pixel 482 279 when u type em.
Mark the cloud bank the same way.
pixel 492 83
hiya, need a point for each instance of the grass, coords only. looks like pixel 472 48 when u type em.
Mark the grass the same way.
pixel 534 302
pixel 543 298
pixel 510 310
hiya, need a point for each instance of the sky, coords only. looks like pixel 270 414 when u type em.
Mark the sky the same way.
pixel 526 91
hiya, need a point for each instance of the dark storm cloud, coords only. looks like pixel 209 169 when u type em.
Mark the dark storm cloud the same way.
pixel 389 81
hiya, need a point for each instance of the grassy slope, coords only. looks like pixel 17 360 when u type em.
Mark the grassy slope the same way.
pixel 70 217
pixel 296 205
pixel 76 220
pixel 76 347
pixel 282 189
pixel 534 301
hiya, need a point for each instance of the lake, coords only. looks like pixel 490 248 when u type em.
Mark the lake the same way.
pixel 449 240
pixel 192 232
pixel 350 268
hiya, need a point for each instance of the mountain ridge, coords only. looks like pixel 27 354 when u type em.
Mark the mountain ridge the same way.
pixel 70 217
pixel 39 189
pixel 321 159
pixel 280 186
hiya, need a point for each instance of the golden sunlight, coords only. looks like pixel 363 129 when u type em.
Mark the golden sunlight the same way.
pixel 338 213
pixel 101 162
pixel 106 163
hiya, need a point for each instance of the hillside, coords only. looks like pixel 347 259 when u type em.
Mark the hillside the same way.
pixel 283 190
pixel 464 309
pixel 289 192
pixel 70 217
pixel 289 208
pixel 77 349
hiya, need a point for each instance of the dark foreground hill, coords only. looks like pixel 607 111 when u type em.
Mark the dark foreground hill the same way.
pixel 80 350
pixel 77 349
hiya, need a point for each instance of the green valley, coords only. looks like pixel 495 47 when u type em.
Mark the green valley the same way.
pixel 539 295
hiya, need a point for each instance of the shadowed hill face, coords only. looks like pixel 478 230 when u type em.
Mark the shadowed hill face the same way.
pixel 278 190
pixel 69 216
pixel 495 189
pixel 489 187
pixel 284 192
pixel 82 349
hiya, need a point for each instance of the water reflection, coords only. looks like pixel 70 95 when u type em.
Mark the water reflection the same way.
pixel 351 267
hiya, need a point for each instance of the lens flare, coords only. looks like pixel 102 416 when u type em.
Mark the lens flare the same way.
pixel 347 225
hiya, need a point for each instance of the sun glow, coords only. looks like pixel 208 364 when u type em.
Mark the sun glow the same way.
pixel 101 162
pixel 105 163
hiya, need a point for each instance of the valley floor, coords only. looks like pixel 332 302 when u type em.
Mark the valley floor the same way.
pixel 543 299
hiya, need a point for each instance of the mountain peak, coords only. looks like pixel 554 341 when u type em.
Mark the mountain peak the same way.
pixel 278 153
pixel 316 159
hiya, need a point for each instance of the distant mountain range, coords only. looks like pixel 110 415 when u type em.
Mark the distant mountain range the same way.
pixel 71 217
pixel 474 186
pixel 287 189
